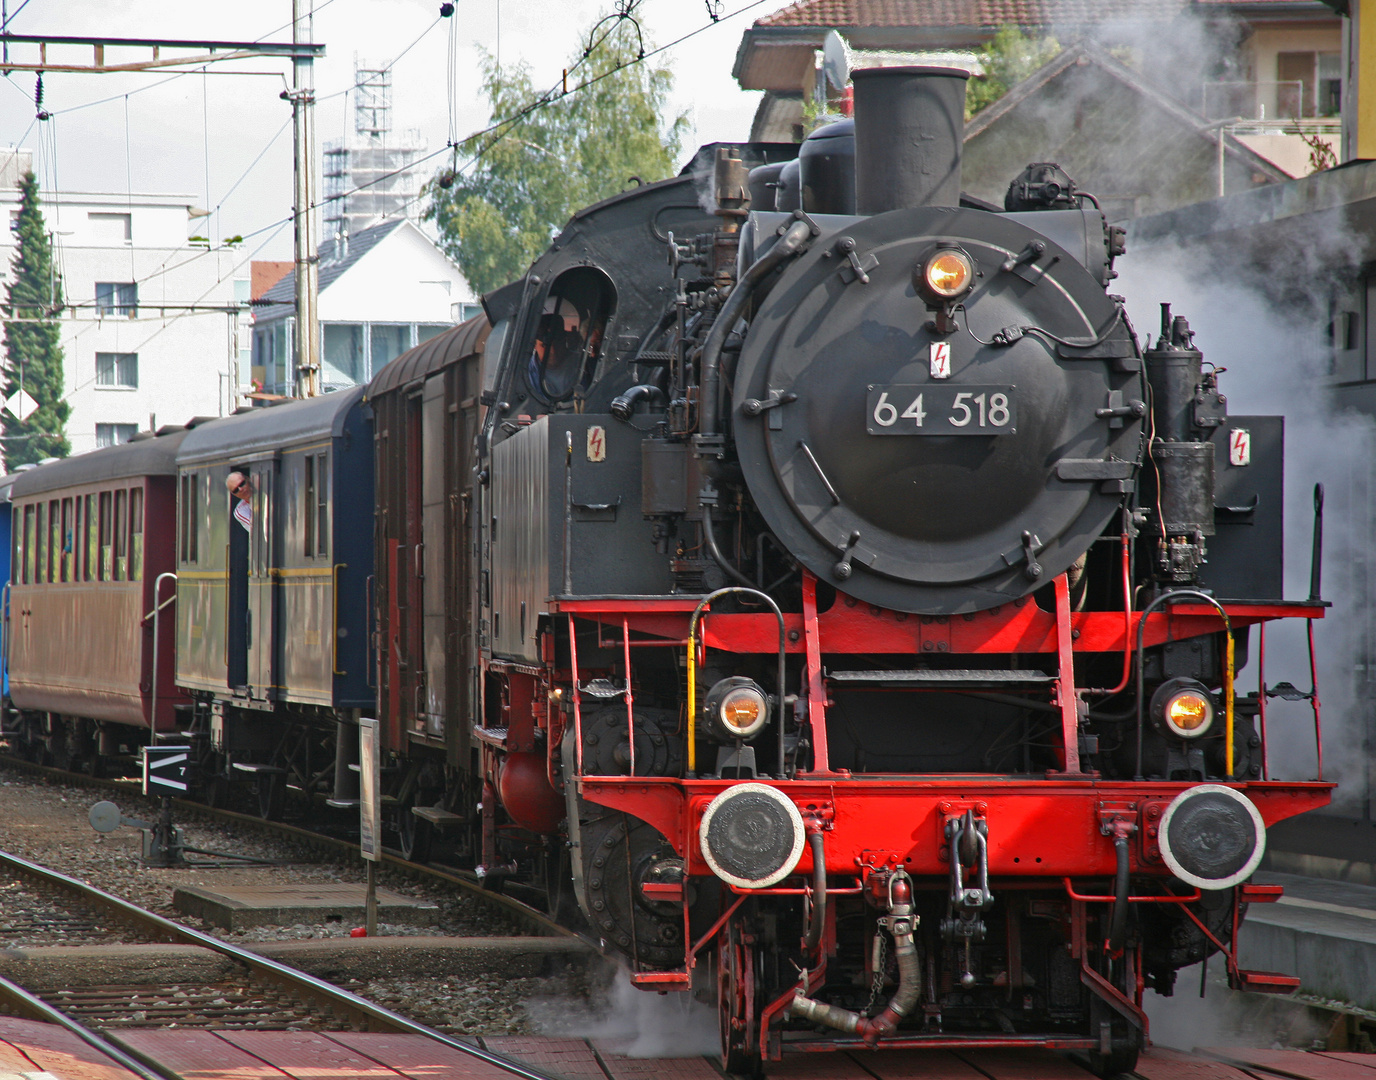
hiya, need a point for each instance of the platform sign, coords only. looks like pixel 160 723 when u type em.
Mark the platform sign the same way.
pixel 164 769
pixel 369 785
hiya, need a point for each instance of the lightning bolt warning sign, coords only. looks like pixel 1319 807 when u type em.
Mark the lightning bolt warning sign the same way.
pixel 597 443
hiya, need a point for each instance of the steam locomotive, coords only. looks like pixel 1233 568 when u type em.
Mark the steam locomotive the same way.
pixel 819 592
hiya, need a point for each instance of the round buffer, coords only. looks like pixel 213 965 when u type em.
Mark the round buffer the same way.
pixel 752 836
pixel 1212 837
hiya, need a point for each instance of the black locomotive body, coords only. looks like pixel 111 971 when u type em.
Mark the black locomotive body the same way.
pixel 908 587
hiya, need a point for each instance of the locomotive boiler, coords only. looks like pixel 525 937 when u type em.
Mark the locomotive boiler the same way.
pixel 857 604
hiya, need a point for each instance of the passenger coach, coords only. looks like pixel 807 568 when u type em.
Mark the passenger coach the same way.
pixel 92 534
pixel 274 619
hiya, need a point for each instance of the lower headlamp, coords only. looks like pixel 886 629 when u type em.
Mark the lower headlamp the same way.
pixel 736 708
pixel 1183 708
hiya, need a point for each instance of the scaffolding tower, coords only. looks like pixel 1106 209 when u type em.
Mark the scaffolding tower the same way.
pixel 371 175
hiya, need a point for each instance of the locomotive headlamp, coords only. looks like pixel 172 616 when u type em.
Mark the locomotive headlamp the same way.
pixel 736 708
pixel 948 273
pixel 1183 708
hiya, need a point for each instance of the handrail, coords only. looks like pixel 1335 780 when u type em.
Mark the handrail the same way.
pixel 155 615
pixel 1108 898
pixel 692 667
pixel 334 625
pixel 1160 601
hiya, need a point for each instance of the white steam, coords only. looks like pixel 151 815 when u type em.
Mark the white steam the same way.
pixel 633 1023
pixel 1273 342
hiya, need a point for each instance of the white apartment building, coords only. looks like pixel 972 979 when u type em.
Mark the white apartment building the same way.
pixel 155 318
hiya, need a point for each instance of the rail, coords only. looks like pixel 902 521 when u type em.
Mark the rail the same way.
pixel 23 1003
pixel 368 1014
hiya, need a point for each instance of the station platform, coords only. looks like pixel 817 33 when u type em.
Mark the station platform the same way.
pixel 36 1051
pixel 1324 931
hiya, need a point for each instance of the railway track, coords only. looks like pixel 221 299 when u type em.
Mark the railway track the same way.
pixel 248 1004
pixel 262 995
pixel 529 917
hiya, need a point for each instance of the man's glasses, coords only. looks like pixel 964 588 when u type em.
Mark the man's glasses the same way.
pixel 239 487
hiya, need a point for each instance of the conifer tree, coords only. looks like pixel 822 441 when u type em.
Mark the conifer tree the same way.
pixel 33 339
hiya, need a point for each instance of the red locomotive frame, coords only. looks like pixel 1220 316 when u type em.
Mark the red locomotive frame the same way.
pixel 1042 833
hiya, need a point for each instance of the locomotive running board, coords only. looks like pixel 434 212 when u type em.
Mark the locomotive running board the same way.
pixel 952 677
pixel 662 980
pixel 953 1041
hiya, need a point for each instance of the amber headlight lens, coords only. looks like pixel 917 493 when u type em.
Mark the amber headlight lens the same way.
pixel 1183 708
pixel 949 273
pixel 1189 714
pixel 736 708
pixel 744 711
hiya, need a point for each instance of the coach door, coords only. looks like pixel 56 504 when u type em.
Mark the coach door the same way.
pixel 434 530
pixel 262 585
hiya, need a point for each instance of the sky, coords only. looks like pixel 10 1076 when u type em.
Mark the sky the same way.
pixel 201 134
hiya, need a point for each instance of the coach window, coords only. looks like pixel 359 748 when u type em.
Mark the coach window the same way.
pixel 308 507
pixel 40 538
pixel 121 535
pixel 317 508
pixel 54 539
pixel 106 554
pixel 135 534
pixel 92 560
pixel 67 540
pixel 26 564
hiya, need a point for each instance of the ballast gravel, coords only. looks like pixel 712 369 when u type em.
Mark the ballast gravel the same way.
pixel 47 823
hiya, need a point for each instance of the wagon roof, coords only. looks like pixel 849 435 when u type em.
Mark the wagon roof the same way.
pixel 149 455
pixel 268 428
pixel 441 350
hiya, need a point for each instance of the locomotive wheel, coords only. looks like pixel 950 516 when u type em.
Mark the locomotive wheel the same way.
pixel 1126 1043
pixel 415 836
pixel 272 796
pixel 560 902
pixel 620 854
pixel 736 1002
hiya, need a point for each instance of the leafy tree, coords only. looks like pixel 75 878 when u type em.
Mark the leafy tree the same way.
pixel 1008 58
pixel 33 346
pixel 541 162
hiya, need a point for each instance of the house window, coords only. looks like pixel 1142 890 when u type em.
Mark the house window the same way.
pixel 114 434
pixel 1308 84
pixel 343 358
pixel 117 369
pixel 388 342
pixel 117 298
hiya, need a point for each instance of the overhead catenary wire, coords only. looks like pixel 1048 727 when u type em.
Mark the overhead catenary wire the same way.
pixel 499 128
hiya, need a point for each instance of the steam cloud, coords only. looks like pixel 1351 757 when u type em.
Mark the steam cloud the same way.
pixel 634 1023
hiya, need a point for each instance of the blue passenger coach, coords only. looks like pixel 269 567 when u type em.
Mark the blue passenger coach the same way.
pixel 274 618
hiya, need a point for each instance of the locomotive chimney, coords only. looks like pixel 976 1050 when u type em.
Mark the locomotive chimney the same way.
pixel 909 132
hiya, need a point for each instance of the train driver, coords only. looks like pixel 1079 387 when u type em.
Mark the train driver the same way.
pixel 559 359
pixel 242 490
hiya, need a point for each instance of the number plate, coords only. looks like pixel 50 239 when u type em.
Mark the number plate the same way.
pixel 941 409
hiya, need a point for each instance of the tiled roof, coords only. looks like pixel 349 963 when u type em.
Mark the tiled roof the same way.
pixel 333 263
pixel 966 12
